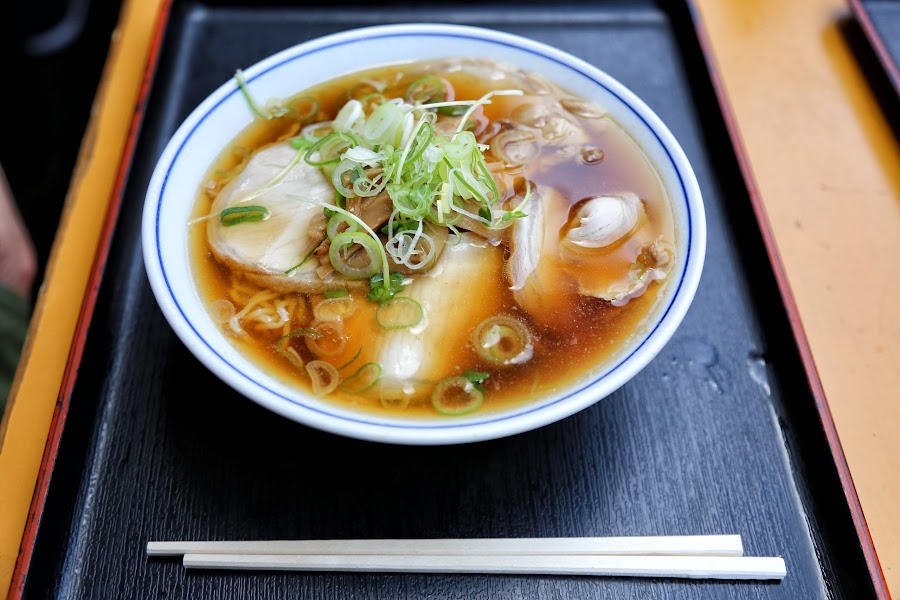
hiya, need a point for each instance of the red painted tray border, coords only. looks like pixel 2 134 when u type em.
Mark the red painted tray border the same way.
pixel 60 412
pixel 790 304
pixel 57 424
pixel 887 61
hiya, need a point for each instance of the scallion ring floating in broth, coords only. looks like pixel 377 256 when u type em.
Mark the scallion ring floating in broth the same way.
pixel 457 396
pixel 303 108
pixel 427 90
pixel 364 378
pixel 324 377
pixel 330 341
pixel 503 341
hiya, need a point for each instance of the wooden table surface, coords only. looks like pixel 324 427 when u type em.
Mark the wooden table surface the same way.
pixel 825 165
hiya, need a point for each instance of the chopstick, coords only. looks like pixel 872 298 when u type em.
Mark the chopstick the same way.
pixel 684 556
pixel 686 567
pixel 703 545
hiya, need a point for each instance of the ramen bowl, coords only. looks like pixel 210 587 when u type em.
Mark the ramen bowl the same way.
pixel 184 165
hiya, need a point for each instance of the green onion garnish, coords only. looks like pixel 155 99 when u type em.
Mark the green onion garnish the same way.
pixel 364 378
pixel 379 292
pixel 245 91
pixel 336 293
pixel 303 108
pixel 341 262
pixel 456 396
pixel 330 148
pixel 243 214
pixel 476 377
pixel 425 90
pixel 350 362
pixel 335 223
pixel 399 313
pixel 503 341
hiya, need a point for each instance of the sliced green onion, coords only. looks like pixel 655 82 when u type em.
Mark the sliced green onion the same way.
pixel 457 236
pixel 350 117
pixel 517 213
pixel 281 346
pixel 334 309
pixel 330 341
pixel 245 92
pixel 373 99
pixel 243 214
pixel 399 313
pixel 456 396
pixel 291 356
pixel 414 249
pixel 461 146
pixel 350 362
pixel 303 108
pixel 384 125
pixel 342 242
pixel 364 378
pixel 336 293
pixel 337 178
pixel 324 377
pixel 503 341
pixel 426 118
pixel 333 228
pixel 366 187
pixel 424 90
pixel 419 141
pixel 316 131
pixel 330 148
pixel 366 88
pixel 379 292
pixel 476 377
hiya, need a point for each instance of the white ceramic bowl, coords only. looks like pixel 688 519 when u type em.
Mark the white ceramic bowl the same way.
pixel 224 114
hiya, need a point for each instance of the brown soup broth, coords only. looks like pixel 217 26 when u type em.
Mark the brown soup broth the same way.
pixel 578 341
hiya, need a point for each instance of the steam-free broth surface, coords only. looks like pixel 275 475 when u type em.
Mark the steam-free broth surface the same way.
pixel 573 334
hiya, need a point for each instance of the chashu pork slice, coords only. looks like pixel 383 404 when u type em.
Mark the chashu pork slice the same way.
pixel 607 250
pixel 453 301
pixel 265 250
pixel 537 281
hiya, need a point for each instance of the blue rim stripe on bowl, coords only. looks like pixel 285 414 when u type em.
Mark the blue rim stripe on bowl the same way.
pixel 419 425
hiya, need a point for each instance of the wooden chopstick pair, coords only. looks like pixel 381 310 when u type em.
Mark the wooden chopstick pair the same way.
pixel 692 556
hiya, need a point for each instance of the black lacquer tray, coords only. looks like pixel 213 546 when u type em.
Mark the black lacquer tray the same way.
pixel 721 433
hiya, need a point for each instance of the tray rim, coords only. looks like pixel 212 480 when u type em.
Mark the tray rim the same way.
pixel 793 312
pixel 89 299
pixel 101 254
